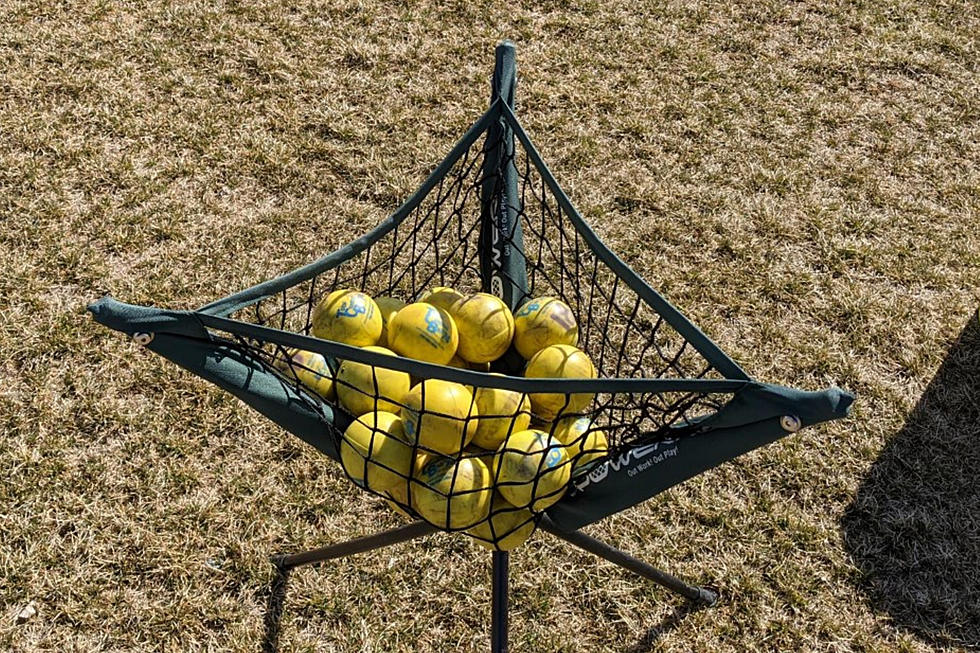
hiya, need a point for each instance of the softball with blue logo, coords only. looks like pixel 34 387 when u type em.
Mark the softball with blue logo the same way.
pixel 532 470
pixel 423 332
pixel 452 493
pixel 542 322
pixel 347 316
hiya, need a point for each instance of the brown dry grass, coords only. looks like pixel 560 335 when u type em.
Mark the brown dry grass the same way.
pixel 801 178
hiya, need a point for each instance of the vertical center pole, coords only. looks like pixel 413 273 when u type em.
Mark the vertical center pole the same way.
pixel 498 612
pixel 503 266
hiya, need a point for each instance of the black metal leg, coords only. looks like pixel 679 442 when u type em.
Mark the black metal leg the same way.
pixel 498 610
pixel 360 545
pixel 697 594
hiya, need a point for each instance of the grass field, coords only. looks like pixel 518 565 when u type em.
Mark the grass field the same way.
pixel 801 178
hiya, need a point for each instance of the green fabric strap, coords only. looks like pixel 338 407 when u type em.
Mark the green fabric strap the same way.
pixel 753 418
pixel 230 370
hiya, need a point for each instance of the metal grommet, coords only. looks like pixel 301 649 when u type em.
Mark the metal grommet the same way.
pixel 790 423
pixel 143 338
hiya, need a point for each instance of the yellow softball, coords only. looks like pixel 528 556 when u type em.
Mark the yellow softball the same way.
pixel 347 316
pixel 423 332
pixel 387 306
pixel 453 493
pixel 507 527
pixel 532 470
pixel 502 412
pixel 542 322
pixel 559 362
pixel 442 297
pixel 309 368
pixel 373 451
pixel 362 388
pixel 582 439
pixel 486 327
pixel 440 415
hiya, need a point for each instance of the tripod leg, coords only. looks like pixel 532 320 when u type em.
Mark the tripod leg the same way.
pixel 350 547
pixel 697 594
pixel 498 610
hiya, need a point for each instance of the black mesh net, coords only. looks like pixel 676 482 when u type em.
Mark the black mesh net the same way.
pixel 471 456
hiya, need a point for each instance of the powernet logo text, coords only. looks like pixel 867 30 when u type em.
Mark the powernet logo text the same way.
pixel 634 461
pixel 499 247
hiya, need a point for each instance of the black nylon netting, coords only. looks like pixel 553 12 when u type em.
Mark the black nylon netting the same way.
pixel 437 244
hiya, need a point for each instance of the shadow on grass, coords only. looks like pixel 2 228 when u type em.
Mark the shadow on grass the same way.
pixel 914 527
pixel 273 610
pixel 667 624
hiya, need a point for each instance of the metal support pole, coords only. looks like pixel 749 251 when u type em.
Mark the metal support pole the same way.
pixel 697 594
pixel 503 264
pixel 498 610
pixel 350 547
